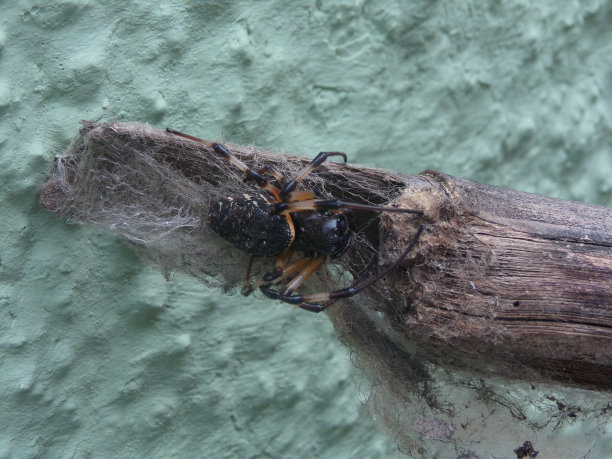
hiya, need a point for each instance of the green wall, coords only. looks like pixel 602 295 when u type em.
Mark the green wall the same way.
pixel 101 356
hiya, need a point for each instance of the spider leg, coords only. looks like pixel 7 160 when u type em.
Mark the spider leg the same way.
pixel 278 274
pixel 247 285
pixel 299 195
pixel 286 191
pixel 282 261
pixel 250 174
pixel 305 267
pixel 333 204
pixel 267 169
pixel 321 307
pixel 318 302
pixel 313 265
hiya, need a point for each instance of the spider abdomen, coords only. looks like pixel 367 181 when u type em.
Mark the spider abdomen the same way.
pixel 247 223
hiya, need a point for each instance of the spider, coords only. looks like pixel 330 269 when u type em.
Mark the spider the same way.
pixel 280 221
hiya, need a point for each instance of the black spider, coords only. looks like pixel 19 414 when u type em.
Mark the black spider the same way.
pixel 281 221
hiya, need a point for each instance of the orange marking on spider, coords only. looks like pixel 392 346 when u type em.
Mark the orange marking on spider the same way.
pixel 278 221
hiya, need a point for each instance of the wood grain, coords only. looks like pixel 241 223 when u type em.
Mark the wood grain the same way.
pixel 509 282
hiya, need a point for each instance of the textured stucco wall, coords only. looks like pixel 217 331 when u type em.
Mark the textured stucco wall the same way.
pixel 103 357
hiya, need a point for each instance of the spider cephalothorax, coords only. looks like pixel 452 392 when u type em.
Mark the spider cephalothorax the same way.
pixel 280 221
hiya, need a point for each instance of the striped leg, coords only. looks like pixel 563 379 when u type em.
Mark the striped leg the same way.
pixel 333 204
pixel 282 270
pixel 287 190
pixel 250 174
pixel 318 302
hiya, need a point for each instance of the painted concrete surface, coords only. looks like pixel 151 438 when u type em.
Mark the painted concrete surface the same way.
pixel 101 356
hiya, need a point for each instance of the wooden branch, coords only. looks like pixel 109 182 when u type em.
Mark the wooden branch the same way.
pixel 508 282
pixel 502 282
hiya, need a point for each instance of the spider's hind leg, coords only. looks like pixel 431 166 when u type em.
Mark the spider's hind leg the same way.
pixel 250 174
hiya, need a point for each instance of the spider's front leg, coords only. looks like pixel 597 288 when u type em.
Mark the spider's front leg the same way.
pixel 318 302
pixel 334 204
pixel 286 192
pixel 282 270
pixel 300 301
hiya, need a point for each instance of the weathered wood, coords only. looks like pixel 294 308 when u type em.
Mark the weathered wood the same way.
pixel 501 281
pixel 509 282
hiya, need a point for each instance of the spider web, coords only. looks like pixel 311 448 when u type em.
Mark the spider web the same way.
pixel 130 179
